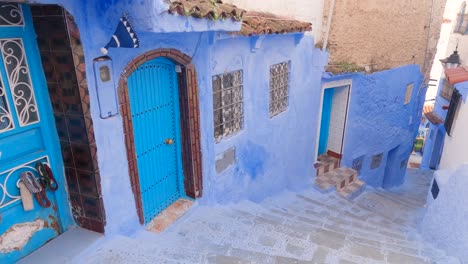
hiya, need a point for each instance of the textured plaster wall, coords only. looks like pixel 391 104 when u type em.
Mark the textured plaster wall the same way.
pixel 272 153
pixel 456 146
pixel 445 220
pixel 267 162
pixel 378 121
pixel 383 34
pixel 305 10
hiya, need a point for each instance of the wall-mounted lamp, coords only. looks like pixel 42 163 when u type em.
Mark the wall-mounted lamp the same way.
pixel 105 87
pixel 452 61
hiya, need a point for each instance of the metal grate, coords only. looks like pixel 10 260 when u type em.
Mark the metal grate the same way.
pixel 228 107
pixel 279 88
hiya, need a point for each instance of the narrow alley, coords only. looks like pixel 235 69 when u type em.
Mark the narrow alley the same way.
pixel 306 227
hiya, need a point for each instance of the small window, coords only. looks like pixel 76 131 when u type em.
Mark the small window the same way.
pixel 376 161
pixel 462 20
pixel 447 90
pixel 452 112
pixel 357 164
pixel 228 104
pixel 409 93
pixel 279 88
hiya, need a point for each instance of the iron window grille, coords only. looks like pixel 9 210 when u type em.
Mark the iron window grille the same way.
pixel 452 111
pixel 228 107
pixel 279 88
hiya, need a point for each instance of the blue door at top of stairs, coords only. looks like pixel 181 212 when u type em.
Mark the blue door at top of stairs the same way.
pixel 325 121
pixel 27 136
pixel 154 104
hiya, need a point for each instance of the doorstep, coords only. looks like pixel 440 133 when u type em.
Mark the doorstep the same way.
pixel 64 248
pixel 167 217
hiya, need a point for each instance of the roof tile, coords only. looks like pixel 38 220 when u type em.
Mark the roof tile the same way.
pixel 253 23
pixel 259 23
pixel 457 75
pixel 211 9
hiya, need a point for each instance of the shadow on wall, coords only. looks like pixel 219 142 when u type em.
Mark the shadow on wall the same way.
pixel 382 123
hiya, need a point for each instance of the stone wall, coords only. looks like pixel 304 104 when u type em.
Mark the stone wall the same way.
pixel 383 34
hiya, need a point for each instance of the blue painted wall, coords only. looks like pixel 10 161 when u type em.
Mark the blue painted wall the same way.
pixel 273 153
pixel 430 143
pixel 379 121
pixel 267 149
pixel 445 221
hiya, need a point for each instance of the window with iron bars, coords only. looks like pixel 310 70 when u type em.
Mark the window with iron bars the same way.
pixel 228 110
pixel 279 88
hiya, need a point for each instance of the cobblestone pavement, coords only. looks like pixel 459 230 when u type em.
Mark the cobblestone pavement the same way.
pixel 306 227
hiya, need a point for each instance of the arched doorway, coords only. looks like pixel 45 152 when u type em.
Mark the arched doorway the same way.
pixel 167 165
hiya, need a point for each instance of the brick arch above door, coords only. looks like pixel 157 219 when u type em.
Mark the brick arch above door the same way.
pixel 190 123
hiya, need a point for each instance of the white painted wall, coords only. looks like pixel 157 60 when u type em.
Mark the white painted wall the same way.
pixel 456 146
pixel 338 118
pixel 447 43
pixel 305 10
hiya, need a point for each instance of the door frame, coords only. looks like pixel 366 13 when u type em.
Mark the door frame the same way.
pixel 329 85
pixel 189 123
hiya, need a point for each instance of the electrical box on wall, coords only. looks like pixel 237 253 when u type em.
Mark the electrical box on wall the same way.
pixel 105 87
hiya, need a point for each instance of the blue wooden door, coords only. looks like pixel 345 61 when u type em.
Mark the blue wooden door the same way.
pixel 325 120
pixel 154 104
pixel 27 136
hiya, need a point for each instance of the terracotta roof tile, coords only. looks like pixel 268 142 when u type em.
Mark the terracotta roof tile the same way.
pixel 253 23
pixel 457 75
pixel 211 9
pixel 259 23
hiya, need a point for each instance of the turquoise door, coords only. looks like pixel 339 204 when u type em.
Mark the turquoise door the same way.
pixel 154 104
pixel 325 120
pixel 27 136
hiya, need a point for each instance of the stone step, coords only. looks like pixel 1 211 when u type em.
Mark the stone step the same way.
pixel 353 190
pixel 326 164
pixel 338 178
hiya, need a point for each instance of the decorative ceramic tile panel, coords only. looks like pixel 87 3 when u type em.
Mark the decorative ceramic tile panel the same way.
pixel 227 104
pixel 11 15
pixel 19 80
pixel 279 88
pixel 376 161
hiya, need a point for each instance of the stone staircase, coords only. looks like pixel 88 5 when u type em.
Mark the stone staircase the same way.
pixel 331 177
pixel 306 227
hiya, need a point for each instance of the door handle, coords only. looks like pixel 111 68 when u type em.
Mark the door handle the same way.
pixel 169 141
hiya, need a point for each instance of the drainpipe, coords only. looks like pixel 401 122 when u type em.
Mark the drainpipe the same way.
pixel 329 20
